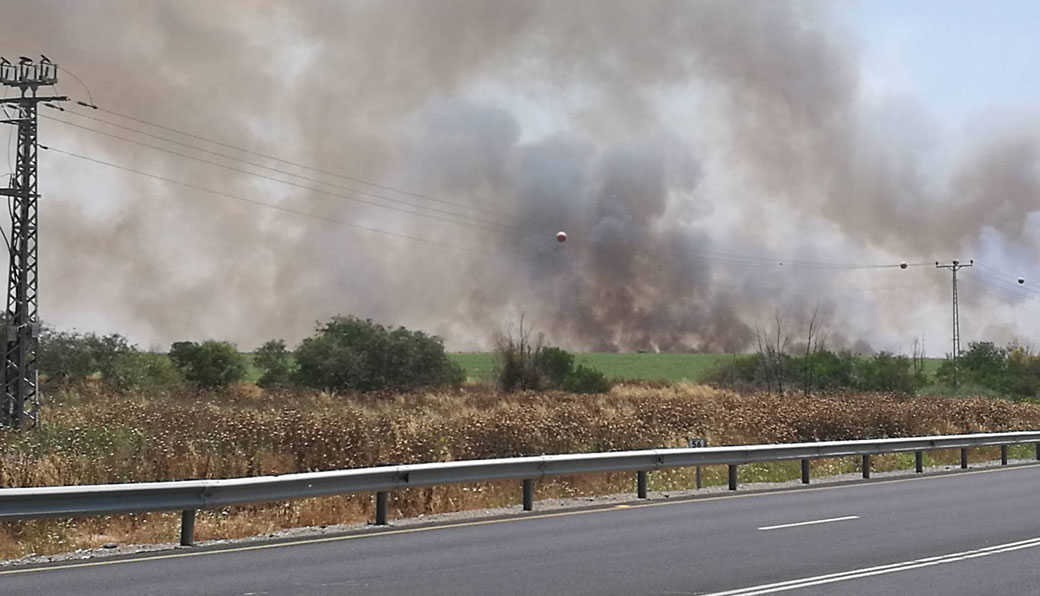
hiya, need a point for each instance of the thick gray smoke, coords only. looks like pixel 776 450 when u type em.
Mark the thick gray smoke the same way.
pixel 669 139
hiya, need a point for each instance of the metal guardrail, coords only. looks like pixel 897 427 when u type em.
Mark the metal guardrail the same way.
pixel 188 496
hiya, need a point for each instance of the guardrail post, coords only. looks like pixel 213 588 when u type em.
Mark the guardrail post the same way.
pixel 1037 446
pixel 866 466
pixel 528 490
pixel 188 527
pixel 641 484
pixel 919 461
pixel 964 458
pixel 697 475
pixel 381 505
pixel 805 471
pixel 1003 455
pixel 733 476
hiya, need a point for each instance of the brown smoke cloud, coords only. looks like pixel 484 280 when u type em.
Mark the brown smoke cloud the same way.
pixel 663 136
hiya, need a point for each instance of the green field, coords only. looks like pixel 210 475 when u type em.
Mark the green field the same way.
pixel 670 367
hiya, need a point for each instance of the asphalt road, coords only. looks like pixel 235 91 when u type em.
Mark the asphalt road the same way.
pixel 966 533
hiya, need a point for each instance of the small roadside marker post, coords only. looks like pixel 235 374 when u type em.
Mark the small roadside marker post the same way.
pixel 528 494
pixel 699 443
pixel 188 527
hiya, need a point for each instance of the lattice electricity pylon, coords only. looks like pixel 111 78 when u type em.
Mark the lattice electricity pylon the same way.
pixel 19 400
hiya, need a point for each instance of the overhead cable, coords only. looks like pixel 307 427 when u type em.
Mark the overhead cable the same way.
pixel 255 202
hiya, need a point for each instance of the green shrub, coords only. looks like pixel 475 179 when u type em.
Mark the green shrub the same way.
pixel 145 370
pixel 885 372
pixel 276 362
pixel 352 353
pixel 554 364
pixel 65 356
pixel 210 363
pixel 585 379
pixel 517 366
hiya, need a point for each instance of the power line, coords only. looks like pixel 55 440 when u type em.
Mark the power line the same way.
pixel 1009 289
pixel 256 164
pixel 782 263
pixel 447 215
pixel 258 203
pixel 90 95
pixel 1007 277
pixel 356 179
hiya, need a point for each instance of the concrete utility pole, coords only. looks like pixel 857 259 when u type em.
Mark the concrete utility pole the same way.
pixel 954 267
pixel 19 399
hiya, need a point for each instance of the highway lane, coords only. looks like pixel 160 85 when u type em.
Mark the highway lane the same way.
pixel 874 533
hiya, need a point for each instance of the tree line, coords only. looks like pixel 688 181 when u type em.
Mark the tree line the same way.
pixel 984 368
pixel 344 353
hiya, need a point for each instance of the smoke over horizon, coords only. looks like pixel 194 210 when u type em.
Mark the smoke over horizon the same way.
pixel 686 148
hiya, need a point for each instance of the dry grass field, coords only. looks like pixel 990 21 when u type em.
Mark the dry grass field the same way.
pixel 90 436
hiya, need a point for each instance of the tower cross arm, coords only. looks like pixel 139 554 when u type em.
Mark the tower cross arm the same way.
pixel 31 99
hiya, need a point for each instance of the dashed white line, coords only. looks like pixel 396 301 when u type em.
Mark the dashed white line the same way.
pixel 830 578
pixel 810 523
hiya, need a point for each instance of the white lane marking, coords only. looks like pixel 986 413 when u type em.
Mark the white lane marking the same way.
pixel 810 523
pixel 807 582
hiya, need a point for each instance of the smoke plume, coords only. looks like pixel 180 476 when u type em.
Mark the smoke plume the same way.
pixel 707 160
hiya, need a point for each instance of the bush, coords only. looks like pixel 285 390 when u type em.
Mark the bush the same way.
pixel 516 370
pixel 352 353
pixel 1023 371
pixel 886 372
pixel 276 362
pixel 830 370
pixel 517 373
pixel 65 356
pixel 554 364
pixel 584 379
pixel 145 370
pixel 209 364
pixel 993 370
pixel 985 364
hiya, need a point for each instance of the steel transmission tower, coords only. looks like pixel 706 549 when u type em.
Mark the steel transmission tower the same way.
pixel 19 400
pixel 954 267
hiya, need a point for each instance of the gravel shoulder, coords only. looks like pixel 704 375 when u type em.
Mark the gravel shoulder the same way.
pixel 543 506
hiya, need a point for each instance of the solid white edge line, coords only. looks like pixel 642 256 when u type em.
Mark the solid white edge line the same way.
pixel 880 569
pixel 809 523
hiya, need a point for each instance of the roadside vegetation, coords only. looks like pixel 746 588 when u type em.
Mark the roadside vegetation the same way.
pixel 94 434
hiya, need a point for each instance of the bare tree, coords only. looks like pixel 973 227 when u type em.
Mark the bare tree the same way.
pixel 807 368
pixel 918 359
pixel 516 357
pixel 780 343
pixel 764 357
pixel 771 350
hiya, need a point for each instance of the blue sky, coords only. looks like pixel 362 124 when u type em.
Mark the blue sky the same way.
pixel 957 57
